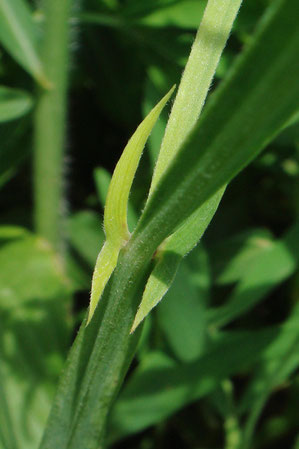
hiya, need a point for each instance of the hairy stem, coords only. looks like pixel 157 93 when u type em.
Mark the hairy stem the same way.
pixel 49 124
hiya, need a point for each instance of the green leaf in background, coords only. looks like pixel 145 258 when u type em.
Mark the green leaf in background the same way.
pixel 160 386
pixel 25 257
pixel 231 257
pixel 102 180
pixel 12 232
pixel 270 374
pixel 157 82
pixel 273 371
pixel 86 235
pixel 34 336
pixel 182 314
pixel 18 35
pixel 271 265
pixel 15 147
pixel 13 103
pixel 181 14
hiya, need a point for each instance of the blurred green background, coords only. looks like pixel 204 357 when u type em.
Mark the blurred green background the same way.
pixel 218 360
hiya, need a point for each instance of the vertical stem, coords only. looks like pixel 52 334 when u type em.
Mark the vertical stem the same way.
pixel 50 124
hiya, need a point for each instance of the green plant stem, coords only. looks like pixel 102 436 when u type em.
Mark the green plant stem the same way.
pixel 102 352
pixel 79 419
pixel 49 124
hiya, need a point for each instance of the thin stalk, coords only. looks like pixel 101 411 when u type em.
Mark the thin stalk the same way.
pixel 50 124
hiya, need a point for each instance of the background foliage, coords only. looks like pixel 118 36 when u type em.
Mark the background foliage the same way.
pixel 218 359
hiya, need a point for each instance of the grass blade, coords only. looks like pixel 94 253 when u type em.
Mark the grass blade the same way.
pixel 209 43
pixel 199 72
pixel 237 124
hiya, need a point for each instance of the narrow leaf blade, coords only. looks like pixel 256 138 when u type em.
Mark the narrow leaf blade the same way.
pixel 116 209
pixel 115 217
pixel 210 40
pixel 209 43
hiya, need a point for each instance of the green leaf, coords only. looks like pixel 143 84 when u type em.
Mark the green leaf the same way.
pixel 205 53
pixel 249 15
pixel 159 386
pixel 182 14
pixel 231 257
pixel 22 261
pixel 12 232
pixel 199 72
pixel 102 180
pixel 237 124
pixel 15 147
pixel 170 254
pixel 115 216
pixel 86 235
pixel 283 359
pixel 157 81
pixel 18 35
pixel 34 336
pixel 270 374
pixel 275 262
pixel 182 314
pixel 13 103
